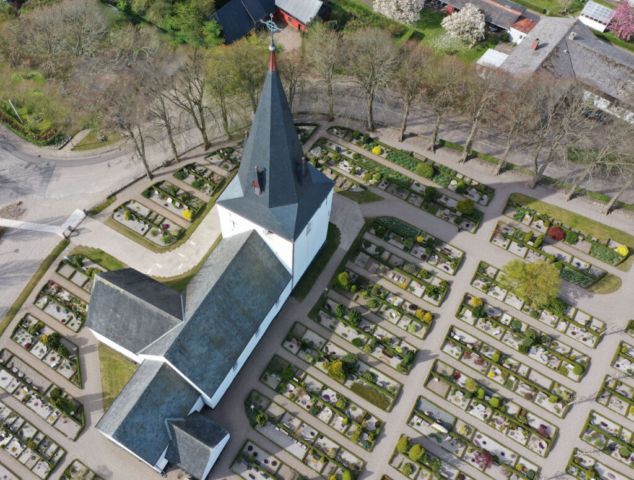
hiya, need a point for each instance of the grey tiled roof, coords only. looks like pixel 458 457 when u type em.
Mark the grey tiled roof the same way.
pixel 193 440
pixel 497 12
pixel 302 10
pixel 286 203
pixel 132 309
pixel 585 57
pixel 136 419
pixel 238 17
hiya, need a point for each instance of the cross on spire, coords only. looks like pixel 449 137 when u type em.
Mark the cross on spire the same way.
pixel 272 26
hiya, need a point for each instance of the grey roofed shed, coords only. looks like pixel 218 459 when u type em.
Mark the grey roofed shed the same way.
pixel 302 10
pixel 132 309
pixel 192 443
pixel 137 417
pixel 496 12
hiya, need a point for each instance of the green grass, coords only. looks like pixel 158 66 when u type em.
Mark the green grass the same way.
pixel 179 282
pixel 103 205
pixel 608 284
pixel 116 370
pixel 614 40
pixel 578 222
pixel 361 197
pixel 100 257
pixel 26 291
pixel 91 141
pixel 318 264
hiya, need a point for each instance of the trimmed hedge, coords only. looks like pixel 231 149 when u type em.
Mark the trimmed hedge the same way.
pixel 371 395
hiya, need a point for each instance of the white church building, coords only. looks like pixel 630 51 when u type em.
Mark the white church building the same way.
pixel 274 217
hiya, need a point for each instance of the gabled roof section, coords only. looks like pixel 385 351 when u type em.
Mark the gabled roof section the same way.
pixel 302 10
pixel 238 17
pixel 274 187
pixel 524 25
pixel 497 12
pixel 192 442
pixel 132 309
pixel 136 419
pixel 227 302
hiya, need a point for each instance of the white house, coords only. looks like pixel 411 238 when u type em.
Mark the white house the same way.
pixel 274 217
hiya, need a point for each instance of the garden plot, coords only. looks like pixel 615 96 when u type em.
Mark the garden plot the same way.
pixel 610 437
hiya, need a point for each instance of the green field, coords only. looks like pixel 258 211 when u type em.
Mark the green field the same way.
pixel 116 370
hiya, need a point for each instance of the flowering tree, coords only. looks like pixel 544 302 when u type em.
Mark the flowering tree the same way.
pixel 404 11
pixel 467 24
pixel 622 21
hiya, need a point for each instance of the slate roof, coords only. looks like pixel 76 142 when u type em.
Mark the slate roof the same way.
pixel 287 199
pixel 496 12
pixel 582 56
pixel 302 10
pixel 136 419
pixel 238 17
pixel 192 443
pixel 132 309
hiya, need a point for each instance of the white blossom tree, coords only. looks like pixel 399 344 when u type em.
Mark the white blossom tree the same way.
pixel 404 11
pixel 467 24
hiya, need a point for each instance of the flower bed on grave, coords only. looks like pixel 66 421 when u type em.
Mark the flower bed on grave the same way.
pixel 73 269
pixel 200 178
pixel 305 131
pixel 62 305
pixel 485 404
pixel 585 467
pixel 508 372
pixel 255 458
pixel 609 437
pixel 175 199
pixel 77 470
pixel 323 402
pixel 525 339
pixel 618 396
pixel 141 220
pixel 227 158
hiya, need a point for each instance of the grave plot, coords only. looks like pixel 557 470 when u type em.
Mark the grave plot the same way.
pixel 609 437
pixel 402 186
pixel 200 177
pixel 584 466
pixel 300 439
pixel 49 347
pixel 253 462
pixel 423 465
pixel 342 366
pixel 305 131
pixel 573 323
pixel 606 250
pixel 7 474
pixel 523 338
pixel 147 223
pixel 417 243
pixel 469 444
pixel 47 400
pixel 485 404
pixel 227 158
pixel 29 446
pixel 508 372
pixel 435 172
pixel 78 471
pixel 522 242
pixel 63 306
pixel 349 325
pixel 623 359
pixel 79 270
pixel 175 199
pixel 617 396
pixel 323 402
pixel 376 302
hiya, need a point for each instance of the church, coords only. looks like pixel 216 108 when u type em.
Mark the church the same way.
pixel 274 217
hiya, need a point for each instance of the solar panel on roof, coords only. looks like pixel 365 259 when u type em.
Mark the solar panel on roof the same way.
pixel 597 12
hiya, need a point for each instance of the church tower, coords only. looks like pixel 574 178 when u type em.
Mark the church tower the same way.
pixel 277 192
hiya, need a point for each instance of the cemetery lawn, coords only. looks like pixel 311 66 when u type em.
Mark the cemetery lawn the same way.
pixel 116 370
pixel 608 284
pixel 91 141
pixel 361 197
pixel 103 205
pixel 99 256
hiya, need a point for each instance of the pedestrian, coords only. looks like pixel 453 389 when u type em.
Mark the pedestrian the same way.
pixel 459 229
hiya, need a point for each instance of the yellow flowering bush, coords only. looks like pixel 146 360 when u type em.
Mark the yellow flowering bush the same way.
pixel 188 214
pixel 476 302
pixel 491 374
pixel 631 410
pixel 377 150
pixel 419 239
pixel 428 317
pixel 622 250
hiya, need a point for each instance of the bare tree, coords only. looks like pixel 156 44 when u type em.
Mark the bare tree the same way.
pixel 372 59
pixel 324 53
pixel 482 91
pixel 293 69
pixel 625 171
pixel 409 80
pixel 442 81
pixel 188 91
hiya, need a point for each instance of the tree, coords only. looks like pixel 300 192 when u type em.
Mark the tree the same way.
pixel 220 90
pixel 324 55
pixel 247 61
pixel 372 58
pixel 468 24
pixel 416 452
pixel 622 21
pixel 212 33
pixel 402 446
pixel 625 171
pixel 293 70
pixel 189 91
pixel 465 206
pixel 409 79
pixel 471 385
pixel 355 317
pixel 538 282
pixel 336 371
pixel 404 11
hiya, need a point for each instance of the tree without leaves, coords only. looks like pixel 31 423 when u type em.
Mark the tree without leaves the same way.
pixel 293 69
pixel 324 51
pixel 409 80
pixel 625 170
pixel 372 58
pixel 537 282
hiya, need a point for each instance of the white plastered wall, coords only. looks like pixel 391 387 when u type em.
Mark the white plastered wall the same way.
pixel 116 347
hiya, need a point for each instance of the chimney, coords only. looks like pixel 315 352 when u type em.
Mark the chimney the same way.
pixel 572 35
pixel 535 44
pixel 256 183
